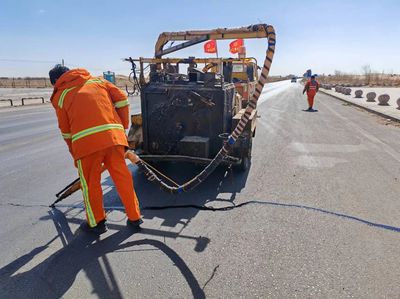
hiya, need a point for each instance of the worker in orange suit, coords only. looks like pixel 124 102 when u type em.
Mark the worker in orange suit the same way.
pixel 93 115
pixel 311 88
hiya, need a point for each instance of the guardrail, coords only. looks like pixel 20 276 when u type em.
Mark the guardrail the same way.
pixel 7 100
pixel 31 98
pixel 22 100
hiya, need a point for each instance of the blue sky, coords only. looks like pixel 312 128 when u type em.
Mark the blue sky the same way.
pixel 322 35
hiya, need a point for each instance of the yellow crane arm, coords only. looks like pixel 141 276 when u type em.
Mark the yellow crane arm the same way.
pixel 198 36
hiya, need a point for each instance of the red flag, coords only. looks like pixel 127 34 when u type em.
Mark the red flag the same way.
pixel 235 45
pixel 210 46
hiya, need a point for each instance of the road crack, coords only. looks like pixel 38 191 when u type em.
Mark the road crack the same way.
pixel 211 277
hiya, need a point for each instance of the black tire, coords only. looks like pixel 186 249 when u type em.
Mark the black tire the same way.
pixel 246 160
pixel 244 164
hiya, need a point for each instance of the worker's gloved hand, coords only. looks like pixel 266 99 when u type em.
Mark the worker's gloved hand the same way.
pixel 131 155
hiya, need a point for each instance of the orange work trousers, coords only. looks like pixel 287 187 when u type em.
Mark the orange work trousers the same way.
pixel 90 168
pixel 310 98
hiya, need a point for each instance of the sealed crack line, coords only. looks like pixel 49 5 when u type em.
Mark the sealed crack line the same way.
pixel 211 277
pixel 222 209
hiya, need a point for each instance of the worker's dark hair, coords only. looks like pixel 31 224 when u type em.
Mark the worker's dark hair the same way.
pixel 56 72
pixel 312 77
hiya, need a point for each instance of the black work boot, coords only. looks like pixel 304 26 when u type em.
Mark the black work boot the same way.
pixel 99 229
pixel 134 223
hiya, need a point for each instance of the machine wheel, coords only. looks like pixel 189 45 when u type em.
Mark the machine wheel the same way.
pixel 244 165
pixel 246 160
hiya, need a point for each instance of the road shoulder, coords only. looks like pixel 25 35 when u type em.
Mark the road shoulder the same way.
pixel 383 111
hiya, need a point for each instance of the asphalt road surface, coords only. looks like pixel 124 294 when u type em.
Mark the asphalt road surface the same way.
pixel 323 219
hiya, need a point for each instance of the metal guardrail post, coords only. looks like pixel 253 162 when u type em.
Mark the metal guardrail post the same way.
pixel 6 100
pixel 31 98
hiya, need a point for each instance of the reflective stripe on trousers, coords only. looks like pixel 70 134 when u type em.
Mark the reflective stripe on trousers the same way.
pixel 90 169
pixel 86 199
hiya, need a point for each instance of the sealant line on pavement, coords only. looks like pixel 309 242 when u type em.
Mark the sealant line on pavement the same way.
pixel 228 208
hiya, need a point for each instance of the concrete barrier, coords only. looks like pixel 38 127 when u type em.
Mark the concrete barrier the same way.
pixel 383 100
pixel 347 91
pixel 371 96
pixel 340 89
pixel 7 100
pixel 359 93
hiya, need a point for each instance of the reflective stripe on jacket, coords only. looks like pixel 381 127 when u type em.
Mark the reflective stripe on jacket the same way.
pixel 312 86
pixel 92 113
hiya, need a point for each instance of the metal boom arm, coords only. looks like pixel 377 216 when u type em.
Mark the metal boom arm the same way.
pixel 199 36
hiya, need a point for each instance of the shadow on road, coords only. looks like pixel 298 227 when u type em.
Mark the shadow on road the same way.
pixel 53 277
pixel 56 274
pixel 223 180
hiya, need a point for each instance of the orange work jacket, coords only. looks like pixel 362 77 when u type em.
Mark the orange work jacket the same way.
pixel 312 86
pixel 92 113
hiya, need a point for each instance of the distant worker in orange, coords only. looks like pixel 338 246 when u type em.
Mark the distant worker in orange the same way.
pixel 311 87
pixel 93 115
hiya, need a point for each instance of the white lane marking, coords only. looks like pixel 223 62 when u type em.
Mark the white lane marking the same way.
pixel 374 140
pixel 309 161
pixel 266 125
pixel 272 89
pixel 326 148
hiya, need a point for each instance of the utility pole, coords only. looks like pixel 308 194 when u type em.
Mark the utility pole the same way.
pixel 62 62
